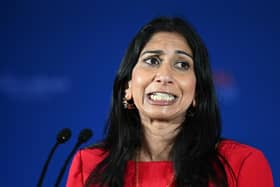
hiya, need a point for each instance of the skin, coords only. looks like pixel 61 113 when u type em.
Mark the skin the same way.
pixel 165 65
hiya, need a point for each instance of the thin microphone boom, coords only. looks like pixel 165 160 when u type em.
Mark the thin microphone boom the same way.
pixel 63 136
pixel 84 136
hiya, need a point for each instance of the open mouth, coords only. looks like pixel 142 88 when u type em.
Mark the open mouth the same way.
pixel 162 97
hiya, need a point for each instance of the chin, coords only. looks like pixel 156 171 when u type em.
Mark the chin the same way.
pixel 165 116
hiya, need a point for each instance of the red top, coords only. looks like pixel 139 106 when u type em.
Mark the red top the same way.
pixel 248 164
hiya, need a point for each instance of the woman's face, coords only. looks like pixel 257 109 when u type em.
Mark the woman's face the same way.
pixel 163 80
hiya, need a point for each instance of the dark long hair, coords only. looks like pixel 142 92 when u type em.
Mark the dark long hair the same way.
pixel 196 160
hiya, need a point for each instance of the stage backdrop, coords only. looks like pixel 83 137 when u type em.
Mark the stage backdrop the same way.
pixel 58 61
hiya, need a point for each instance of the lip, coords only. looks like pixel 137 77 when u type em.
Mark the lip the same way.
pixel 150 93
pixel 161 103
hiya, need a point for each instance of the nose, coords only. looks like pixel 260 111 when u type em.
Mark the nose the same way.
pixel 164 75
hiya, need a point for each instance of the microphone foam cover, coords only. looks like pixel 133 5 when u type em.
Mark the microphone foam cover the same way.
pixel 63 135
pixel 85 135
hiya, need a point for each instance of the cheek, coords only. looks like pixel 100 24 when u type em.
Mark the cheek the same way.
pixel 137 84
pixel 189 85
pixel 140 78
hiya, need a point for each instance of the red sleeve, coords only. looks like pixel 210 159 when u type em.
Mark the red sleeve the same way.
pixel 255 171
pixel 75 176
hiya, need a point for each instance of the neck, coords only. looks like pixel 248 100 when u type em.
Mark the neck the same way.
pixel 158 140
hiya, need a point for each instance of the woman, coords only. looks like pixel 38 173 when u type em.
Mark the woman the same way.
pixel 164 126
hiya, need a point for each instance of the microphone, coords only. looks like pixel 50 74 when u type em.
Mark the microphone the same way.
pixel 84 136
pixel 62 136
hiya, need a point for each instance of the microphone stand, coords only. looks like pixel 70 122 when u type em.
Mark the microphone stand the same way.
pixel 40 182
pixel 63 136
pixel 84 136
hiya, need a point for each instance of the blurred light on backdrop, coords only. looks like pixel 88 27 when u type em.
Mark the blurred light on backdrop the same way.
pixel 33 87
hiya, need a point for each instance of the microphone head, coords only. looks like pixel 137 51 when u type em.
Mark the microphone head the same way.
pixel 85 135
pixel 63 135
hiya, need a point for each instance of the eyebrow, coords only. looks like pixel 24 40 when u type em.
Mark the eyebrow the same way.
pixel 184 53
pixel 160 52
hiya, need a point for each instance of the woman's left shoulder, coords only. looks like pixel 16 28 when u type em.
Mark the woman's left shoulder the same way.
pixel 233 148
pixel 248 163
pixel 236 153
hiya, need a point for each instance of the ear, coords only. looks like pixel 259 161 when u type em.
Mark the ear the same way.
pixel 193 103
pixel 128 91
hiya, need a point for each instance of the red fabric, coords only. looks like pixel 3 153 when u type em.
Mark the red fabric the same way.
pixel 248 164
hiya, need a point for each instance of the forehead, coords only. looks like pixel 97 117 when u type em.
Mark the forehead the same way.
pixel 167 40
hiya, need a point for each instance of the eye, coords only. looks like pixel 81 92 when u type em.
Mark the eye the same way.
pixel 152 60
pixel 182 65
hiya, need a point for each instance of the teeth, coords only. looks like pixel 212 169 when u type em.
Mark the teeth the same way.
pixel 162 97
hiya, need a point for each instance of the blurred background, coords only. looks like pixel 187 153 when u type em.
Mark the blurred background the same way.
pixel 58 60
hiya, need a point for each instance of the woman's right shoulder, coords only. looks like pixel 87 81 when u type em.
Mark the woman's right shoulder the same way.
pixel 87 159
pixel 91 156
pixel 84 162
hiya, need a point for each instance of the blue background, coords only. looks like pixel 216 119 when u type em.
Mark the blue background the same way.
pixel 58 60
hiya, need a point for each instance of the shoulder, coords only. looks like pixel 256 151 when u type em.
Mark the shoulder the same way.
pixel 248 163
pixel 88 158
pixel 232 149
pixel 237 153
pixel 83 164
pixel 92 153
